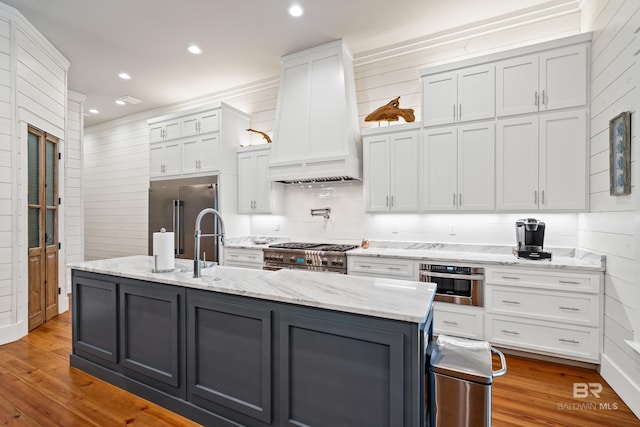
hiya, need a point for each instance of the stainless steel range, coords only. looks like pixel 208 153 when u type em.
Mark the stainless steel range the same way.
pixel 307 256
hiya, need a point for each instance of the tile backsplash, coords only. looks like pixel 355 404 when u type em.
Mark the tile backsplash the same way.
pixel 349 223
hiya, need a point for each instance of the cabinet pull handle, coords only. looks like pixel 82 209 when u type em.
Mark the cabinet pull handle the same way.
pixel 535 98
pixel 544 97
pixel 454 199
pixel 535 197
pixel 232 255
pixel 386 203
pixel 510 278
pixel 542 197
pixel 365 266
pixel 459 112
pixel 569 308
pixel 454 112
pixel 568 282
pixel 391 201
pixel 449 322
pixel 505 331
pixel 568 341
pixel 459 199
pixel 511 302
pixel 394 268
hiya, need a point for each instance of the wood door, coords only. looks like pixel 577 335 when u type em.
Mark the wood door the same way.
pixel 42 226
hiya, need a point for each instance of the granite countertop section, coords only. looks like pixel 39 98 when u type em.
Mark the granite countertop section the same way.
pixel 253 242
pixel 385 298
pixel 563 258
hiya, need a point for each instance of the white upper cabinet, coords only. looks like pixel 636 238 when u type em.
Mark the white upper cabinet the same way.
pixel 458 96
pixel 391 170
pixel 544 81
pixel 542 162
pixel 459 168
pixel 256 194
pixel 196 142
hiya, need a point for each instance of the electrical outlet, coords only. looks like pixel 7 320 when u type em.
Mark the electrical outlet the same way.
pixel 394 230
pixel 277 227
pixel 452 230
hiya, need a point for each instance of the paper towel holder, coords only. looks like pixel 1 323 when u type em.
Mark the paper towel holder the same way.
pixel 155 261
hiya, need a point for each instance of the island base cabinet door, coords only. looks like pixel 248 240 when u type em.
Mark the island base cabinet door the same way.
pixel 331 375
pixel 152 343
pixel 229 366
pixel 95 326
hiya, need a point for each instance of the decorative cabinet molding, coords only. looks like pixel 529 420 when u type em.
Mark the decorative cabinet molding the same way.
pixel 196 142
pixel 458 168
pixel 256 194
pixel 391 163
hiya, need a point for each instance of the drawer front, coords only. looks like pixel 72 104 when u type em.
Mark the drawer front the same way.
pixel 383 267
pixel 544 337
pixel 575 308
pixel 243 256
pixel 447 320
pixel 544 279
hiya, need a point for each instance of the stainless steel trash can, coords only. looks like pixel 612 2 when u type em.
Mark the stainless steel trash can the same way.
pixel 460 377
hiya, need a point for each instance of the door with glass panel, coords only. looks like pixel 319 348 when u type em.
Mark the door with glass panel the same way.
pixel 42 226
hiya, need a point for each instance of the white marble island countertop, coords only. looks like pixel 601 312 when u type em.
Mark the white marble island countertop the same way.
pixel 385 298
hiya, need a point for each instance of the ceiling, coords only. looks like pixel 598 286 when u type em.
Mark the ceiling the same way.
pixel 242 40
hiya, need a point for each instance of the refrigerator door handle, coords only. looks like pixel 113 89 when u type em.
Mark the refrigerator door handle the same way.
pixel 179 227
pixel 176 230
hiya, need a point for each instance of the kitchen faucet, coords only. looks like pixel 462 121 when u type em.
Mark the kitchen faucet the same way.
pixel 198 234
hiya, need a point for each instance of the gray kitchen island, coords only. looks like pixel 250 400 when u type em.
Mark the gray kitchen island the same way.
pixel 255 348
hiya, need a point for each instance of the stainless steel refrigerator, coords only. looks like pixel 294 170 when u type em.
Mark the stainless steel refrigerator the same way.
pixel 175 204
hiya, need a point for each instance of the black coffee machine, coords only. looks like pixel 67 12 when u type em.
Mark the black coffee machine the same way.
pixel 530 237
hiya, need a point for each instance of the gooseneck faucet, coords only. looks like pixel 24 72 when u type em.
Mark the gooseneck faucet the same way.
pixel 198 234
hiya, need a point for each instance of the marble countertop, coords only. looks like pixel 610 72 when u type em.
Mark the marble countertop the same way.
pixel 385 298
pixel 253 242
pixel 563 258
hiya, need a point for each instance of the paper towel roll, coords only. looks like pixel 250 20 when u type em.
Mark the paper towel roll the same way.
pixel 163 251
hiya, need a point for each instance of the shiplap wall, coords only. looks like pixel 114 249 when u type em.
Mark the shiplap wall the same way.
pixel 6 177
pixel 33 86
pixel 611 226
pixel 116 153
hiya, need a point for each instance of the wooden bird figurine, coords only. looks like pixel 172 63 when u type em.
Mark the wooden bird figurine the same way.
pixel 391 112
pixel 264 135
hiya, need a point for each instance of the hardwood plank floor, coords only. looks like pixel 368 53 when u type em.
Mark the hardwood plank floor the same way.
pixel 39 388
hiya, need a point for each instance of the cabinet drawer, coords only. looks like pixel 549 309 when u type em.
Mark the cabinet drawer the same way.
pixel 383 267
pixel 575 308
pixel 544 279
pixel 242 256
pixel 450 321
pixel 544 337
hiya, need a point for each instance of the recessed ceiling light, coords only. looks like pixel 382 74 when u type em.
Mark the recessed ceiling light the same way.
pixel 94 111
pixel 295 10
pixel 120 102
pixel 124 76
pixel 194 49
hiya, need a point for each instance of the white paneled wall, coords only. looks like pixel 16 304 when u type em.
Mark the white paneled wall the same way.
pixel 612 226
pixel 6 179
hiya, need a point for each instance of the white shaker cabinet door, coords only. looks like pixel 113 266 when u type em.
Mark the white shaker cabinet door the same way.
pixel 517 86
pixel 440 99
pixel 440 153
pixel 173 159
pixel 476 167
pixel 563 78
pixel 476 93
pixel 246 182
pixel 404 172
pixel 377 173
pixel 563 161
pixel 263 185
pixel 517 164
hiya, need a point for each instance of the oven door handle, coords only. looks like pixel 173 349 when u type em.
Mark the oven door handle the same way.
pixel 426 273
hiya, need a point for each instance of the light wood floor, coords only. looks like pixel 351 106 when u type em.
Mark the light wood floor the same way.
pixel 39 388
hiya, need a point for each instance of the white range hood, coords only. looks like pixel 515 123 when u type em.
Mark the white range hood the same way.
pixel 317 136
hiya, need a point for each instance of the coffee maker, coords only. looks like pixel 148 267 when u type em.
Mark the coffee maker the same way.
pixel 530 237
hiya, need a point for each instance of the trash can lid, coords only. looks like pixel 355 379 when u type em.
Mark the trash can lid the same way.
pixel 462 358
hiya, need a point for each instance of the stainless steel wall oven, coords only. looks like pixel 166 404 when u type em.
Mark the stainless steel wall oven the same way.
pixel 456 284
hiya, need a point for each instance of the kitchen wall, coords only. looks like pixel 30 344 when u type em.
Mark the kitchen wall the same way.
pixel 33 91
pixel 613 225
pixel 116 153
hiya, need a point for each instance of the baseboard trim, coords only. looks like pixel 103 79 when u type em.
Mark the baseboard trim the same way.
pixel 621 384
pixel 13 332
